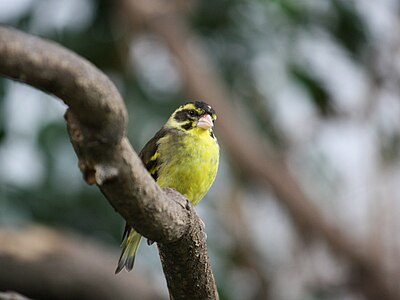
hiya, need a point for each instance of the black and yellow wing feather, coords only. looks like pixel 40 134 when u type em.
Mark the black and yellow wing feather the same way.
pixel 149 157
pixel 149 154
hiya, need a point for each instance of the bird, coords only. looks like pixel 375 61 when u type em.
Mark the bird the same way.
pixel 182 155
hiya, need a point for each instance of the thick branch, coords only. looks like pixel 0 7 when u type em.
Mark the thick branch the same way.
pixel 96 121
pixel 69 265
pixel 47 66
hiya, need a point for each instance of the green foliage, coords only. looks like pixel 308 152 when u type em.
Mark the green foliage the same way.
pixel 319 96
pixel 389 146
pixel 349 28
pixel 2 121
pixel 211 17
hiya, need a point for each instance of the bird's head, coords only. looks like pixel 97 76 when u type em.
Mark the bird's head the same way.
pixel 193 115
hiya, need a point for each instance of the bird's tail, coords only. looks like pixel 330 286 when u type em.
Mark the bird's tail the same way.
pixel 130 244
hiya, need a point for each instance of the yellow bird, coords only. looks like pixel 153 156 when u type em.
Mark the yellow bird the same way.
pixel 183 155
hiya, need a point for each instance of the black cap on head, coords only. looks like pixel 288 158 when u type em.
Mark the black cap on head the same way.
pixel 204 106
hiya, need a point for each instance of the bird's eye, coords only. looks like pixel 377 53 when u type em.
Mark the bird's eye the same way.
pixel 192 113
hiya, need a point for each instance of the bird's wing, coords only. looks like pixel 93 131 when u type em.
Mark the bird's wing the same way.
pixel 149 154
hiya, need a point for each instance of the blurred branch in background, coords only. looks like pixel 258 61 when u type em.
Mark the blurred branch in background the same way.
pixel 12 296
pixel 244 251
pixel 255 159
pixel 53 261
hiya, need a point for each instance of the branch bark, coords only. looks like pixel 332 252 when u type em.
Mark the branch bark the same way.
pixel 96 120
pixel 71 266
pixel 12 296
pixel 254 158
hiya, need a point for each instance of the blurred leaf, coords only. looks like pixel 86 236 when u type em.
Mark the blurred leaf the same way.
pixel 349 28
pixel 86 211
pixel 390 147
pixel 99 42
pixel 2 95
pixel 293 9
pixel 50 134
pixel 2 89
pixel 319 95
pixel 212 16
pixel 2 133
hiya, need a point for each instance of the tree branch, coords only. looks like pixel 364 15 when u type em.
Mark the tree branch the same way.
pixel 69 265
pixel 12 296
pixel 96 121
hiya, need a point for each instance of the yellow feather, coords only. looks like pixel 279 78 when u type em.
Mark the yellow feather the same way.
pixel 188 163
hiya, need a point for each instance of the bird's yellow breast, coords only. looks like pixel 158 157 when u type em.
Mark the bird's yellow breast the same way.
pixel 188 163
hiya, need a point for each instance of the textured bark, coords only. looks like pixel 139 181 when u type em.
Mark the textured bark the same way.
pixel 183 275
pixel 96 121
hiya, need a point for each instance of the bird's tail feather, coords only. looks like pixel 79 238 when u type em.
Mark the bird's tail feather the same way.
pixel 130 246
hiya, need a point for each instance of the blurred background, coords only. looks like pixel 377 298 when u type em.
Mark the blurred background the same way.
pixel 315 83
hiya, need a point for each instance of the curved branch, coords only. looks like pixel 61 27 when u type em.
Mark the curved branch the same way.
pixel 96 121
pixel 53 69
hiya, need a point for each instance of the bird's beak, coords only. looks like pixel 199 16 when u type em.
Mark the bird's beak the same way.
pixel 205 122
